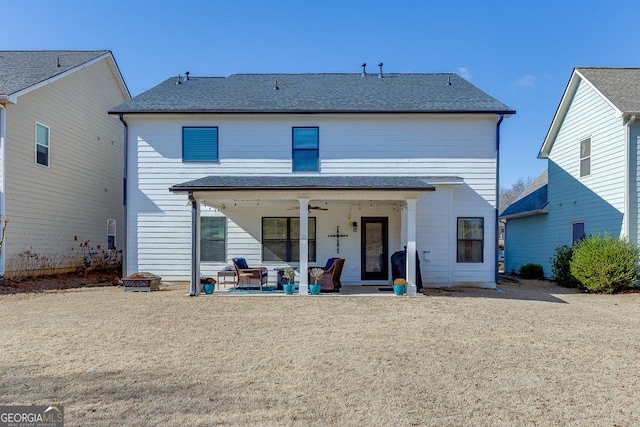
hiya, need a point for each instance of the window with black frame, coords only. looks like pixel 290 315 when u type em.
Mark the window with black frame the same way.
pixel 281 239
pixel 470 240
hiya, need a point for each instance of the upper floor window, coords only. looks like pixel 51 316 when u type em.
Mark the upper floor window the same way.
pixel 199 144
pixel 306 149
pixel 470 239
pixel 42 144
pixel 585 157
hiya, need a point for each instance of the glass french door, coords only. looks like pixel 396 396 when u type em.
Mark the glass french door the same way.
pixel 374 248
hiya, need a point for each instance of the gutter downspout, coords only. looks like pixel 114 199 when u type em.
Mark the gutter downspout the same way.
pixel 627 180
pixel 3 162
pixel 124 195
pixel 497 213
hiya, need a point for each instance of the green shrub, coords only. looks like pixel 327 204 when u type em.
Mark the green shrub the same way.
pixel 531 271
pixel 605 264
pixel 561 267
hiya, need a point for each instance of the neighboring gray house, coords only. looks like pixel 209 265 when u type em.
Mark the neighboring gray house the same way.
pixel 280 168
pixel 61 157
pixel 593 154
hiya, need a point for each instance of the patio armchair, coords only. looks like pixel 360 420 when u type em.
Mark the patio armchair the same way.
pixel 247 276
pixel 330 279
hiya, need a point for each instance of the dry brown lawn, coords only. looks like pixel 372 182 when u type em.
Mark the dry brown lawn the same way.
pixel 534 354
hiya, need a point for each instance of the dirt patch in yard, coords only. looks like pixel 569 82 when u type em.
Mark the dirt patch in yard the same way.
pixel 65 281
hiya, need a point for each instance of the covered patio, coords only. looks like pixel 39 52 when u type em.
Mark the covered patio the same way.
pixel 395 197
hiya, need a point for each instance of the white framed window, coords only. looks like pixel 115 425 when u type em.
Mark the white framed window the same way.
pixel 213 237
pixel 42 144
pixel 111 234
pixel 585 157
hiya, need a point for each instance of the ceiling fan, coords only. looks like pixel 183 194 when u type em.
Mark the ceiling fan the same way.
pixel 320 208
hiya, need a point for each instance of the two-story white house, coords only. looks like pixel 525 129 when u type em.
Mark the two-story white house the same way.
pixel 591 186
pixel 61 157
pixel 292 169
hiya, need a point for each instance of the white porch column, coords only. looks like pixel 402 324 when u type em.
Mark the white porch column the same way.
pixel 304 246
pixel 195 246
pixel 411 247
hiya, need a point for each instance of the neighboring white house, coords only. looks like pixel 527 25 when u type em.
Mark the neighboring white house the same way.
pixel 593 158
pixel 272 167
pixel 61 156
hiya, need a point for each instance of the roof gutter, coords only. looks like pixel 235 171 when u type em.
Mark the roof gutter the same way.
pixel 204 111
pixel 497 231
pixel 535 212
pixel 627 178
pixel 176 189
pixel 124 192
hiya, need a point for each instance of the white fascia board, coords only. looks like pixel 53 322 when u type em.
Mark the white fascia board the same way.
pixel 13 98
pixel 561 112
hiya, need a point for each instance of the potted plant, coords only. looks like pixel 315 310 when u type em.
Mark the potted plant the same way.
pixel 316 273
pixel 289 274
pixel 209 285
pixel 399 286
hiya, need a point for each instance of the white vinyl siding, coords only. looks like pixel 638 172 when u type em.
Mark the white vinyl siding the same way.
pixel 440 146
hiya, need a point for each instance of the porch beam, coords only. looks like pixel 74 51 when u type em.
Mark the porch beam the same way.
pixel 411 247
pixel 304 246
pixel 195 246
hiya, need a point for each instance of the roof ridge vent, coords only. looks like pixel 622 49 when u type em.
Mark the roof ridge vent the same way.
pixel 364 69
pixel 380 72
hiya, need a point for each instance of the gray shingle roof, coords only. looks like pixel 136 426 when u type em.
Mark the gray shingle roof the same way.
pixel 226 182
pixel 322 93
pixel 22 69
pixel 532 201
pixel 620 85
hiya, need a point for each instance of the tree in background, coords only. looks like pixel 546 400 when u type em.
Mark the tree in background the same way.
pixel 509 195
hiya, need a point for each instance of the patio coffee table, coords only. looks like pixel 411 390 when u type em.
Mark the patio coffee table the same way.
pixel 226 274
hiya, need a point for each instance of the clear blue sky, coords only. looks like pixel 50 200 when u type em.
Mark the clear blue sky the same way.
pixel 522 53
